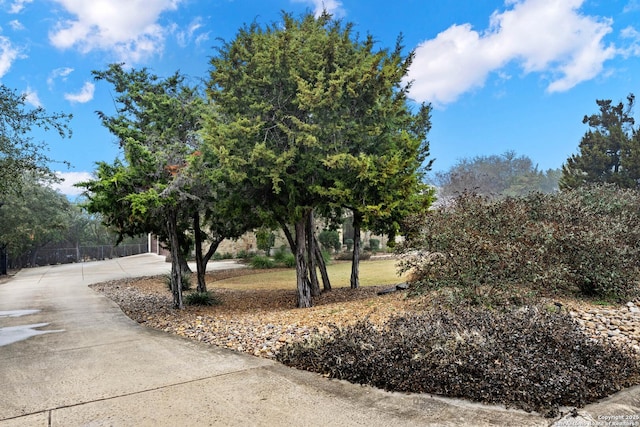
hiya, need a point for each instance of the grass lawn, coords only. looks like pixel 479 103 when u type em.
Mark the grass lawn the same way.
pixel 372 273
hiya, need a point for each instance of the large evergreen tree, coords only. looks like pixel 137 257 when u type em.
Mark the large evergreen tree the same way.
pixel 314 117
pixel 609 151
pixel 156 124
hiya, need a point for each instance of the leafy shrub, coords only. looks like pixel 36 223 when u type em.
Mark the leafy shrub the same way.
pixel 374 244
pixel 289 261
pixel 349 243
pixel 330 239
pixel 527 358
pixel 348 256
pixel 581 241
pixel 245 255
pixel 219 256
pixel 265 240
pixel 262 262
pixel 284 258
pixel 201 298
pixel 186 281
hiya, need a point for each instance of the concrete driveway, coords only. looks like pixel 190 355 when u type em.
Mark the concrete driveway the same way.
pixel 70 357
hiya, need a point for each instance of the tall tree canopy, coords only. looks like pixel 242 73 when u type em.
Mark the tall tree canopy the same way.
pixel 19 152
pixel 38 215
pixel 313 117
pixel 609 151
pixel 156 124
pixel 496 176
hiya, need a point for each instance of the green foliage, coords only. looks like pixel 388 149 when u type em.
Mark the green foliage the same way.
pixel 495 176
pixel 156 123
pixel 284 258
pixel 374 244
pixel 37 216
pixel 219 256
pixel 19 153
pixel 528 358
pixel 609 151
pixel 316 118
pixel 245 255
pixel 262 262
pixel 330 239
pixel 265 240
pixel 186 281
pixel 202 299
pixel 349 243
pixel 580 242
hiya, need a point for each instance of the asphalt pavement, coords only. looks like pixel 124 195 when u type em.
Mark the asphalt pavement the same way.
pixel 70 357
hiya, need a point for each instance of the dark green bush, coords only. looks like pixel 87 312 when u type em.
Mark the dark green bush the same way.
pixel 262 262
pixel 528 358
pixel 582 241
pixel 374 244
pixel 349 243
pixel 219 256
pixel 201 298
pixel 265 239
pixel 330 239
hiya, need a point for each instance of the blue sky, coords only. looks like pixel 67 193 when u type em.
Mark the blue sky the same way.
pixel 501 75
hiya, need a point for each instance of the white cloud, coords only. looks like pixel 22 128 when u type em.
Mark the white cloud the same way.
pixel 334 7
pixel 16 25
pixel 18 5
pixel 31 97
pixel 8 54
pixel 633 36
pixel 550 37
pixel 58 73
pixel 185 36
pixel 128 28
pixel 68 180
pixel 85 94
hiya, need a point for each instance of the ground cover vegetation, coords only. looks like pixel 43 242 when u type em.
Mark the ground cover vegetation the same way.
pixel 487 265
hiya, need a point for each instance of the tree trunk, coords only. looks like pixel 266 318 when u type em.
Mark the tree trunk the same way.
pixel 183 252
pixel 326 284
pixel 311 256
pixel 287 233
pixel 355 261
pixel 304 289
pixel 3 260
pixel 201 266
pixel 176 271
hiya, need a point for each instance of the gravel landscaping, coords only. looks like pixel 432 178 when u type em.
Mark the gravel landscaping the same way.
pixel 263 322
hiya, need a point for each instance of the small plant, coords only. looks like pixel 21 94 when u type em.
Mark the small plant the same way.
pixel 262 262
pixel 202 298
pixel 245 255
pixel 218 256
pixel 349 243
pixel 265 240
pixel 289 261
pixel 186 281
pixel 330 239
pixel 374 244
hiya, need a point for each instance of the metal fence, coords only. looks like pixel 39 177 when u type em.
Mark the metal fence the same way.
pixel 80 254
